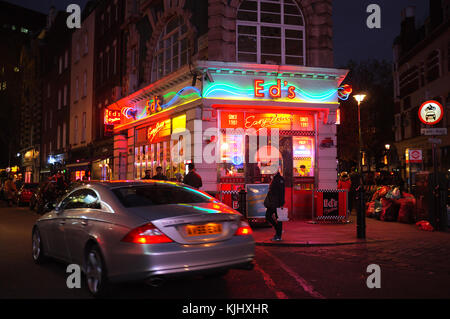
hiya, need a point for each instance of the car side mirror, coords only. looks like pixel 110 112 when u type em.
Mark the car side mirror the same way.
pixel 48 207
pixel 58 209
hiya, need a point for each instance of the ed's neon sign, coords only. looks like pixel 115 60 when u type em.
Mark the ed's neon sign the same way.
pixel 111 117
pixel 274 90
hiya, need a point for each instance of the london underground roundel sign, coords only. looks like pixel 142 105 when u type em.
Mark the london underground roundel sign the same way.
pixel 431 112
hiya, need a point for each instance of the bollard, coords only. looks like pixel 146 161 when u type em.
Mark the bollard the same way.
pixel 360 216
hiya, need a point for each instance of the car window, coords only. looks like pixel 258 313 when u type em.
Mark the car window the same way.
pixel 82 198
pixel 149 195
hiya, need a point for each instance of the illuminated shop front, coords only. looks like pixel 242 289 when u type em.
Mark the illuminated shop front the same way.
pixel 252 118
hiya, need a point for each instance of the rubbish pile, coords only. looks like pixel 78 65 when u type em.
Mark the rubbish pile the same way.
pixel 390 204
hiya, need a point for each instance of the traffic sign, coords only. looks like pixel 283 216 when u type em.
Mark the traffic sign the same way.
pixel 414 156
pixel 435 140
pixel 431 112
pixel 434 131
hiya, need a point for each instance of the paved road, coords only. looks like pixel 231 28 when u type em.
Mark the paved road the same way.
pixel 409 269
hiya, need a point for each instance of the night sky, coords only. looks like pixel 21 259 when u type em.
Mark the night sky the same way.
pixel 352 38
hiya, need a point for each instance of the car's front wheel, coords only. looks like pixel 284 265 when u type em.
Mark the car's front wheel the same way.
pixel 37 247
pixel 96 279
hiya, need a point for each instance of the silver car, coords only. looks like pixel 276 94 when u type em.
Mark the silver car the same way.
pixel 142 230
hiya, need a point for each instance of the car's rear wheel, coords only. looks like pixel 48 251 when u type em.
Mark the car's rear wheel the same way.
pixel 217 273
pixel 37 247
pixel 96 279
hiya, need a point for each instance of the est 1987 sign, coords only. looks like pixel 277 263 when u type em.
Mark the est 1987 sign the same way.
pixel 431 112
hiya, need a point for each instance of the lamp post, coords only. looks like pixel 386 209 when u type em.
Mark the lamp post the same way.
pixel 387 147
pixel 360 216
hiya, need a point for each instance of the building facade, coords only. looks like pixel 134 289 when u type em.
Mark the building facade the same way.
pixel 56 52
pixel 19 111
pixel 421 73
pixel 108 76
pixel 82 95
pixel 240 89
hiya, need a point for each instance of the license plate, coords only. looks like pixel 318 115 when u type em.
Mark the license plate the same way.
pixel 206 229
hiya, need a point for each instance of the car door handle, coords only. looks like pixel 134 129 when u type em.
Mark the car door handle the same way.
pixel 84 223
pixel 62 222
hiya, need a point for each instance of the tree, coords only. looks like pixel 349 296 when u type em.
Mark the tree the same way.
pixel 373 78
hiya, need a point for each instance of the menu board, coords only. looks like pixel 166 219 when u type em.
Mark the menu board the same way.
pixel 256 194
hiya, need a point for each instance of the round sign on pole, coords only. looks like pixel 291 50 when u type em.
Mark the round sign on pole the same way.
pixel 431 112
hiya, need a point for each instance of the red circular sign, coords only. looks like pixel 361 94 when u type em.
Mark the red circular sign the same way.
pixel 431 112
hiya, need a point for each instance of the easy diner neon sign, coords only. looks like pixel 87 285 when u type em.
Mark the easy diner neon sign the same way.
pixel 151 133
pixel 251 121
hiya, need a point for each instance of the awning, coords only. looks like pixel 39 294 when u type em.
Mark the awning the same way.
pixel 78 165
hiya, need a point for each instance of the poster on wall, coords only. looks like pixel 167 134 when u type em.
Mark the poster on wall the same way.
pixel 256 194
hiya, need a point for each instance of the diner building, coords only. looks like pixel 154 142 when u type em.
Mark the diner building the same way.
pixel 238 109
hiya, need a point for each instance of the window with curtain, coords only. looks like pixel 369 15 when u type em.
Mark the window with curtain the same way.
pixel 172 49
pixel 270 32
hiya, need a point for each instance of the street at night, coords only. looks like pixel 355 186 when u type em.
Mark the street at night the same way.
pixel 214 158
pixel 418 269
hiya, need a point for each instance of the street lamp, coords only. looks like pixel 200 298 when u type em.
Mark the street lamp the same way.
pixel 387 147
pixel 360 216
pixel 359 98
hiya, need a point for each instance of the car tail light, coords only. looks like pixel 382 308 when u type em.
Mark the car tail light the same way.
pixel 146 234
pixel 243 229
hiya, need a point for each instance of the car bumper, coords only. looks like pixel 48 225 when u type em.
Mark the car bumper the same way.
pixel 134 262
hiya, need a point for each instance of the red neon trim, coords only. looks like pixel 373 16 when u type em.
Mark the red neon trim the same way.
pixel 291 91
pixel 258 88
pixel 276 87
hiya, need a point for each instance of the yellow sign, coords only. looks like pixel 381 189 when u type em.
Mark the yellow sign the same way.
pixel 179 123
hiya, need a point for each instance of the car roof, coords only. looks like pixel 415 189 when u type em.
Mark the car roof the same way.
pixel 125 183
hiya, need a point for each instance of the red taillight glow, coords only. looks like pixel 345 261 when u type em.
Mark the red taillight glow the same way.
pixel 243 229
pixel 147 234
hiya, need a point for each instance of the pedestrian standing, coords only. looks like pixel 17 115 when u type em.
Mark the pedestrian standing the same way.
pixel 274 200
pixel 10 190
pixel 345 183
pixel 147 174
pixel 192 178
pixel 159 175
pixel 178 176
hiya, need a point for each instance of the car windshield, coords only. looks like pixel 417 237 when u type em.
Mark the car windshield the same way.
pixel 162 194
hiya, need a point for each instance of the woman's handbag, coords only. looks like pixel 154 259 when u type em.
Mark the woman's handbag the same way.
pixel 282 213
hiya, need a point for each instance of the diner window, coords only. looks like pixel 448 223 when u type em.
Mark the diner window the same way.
pixel 172 49
pixel 270 32
pixel 303 154
pixel 232 155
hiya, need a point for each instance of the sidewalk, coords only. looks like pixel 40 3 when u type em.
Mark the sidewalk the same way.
pixel 305 233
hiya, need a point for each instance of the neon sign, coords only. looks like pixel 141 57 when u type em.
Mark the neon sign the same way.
pixel 344 91
pixel 161 128
pixel 129 112
pixel 266 121
pixel 246 120
pixel 274 90
pixel 152 131
pixel 154 105
pixel 111 117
